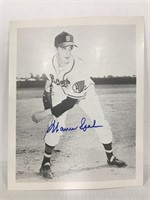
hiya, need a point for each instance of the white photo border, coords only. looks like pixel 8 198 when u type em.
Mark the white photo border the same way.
pixel 14 26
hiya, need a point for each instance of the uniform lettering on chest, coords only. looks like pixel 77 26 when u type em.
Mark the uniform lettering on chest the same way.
pixel 63 83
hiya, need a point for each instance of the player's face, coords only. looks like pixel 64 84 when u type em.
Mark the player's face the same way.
pixel 64 53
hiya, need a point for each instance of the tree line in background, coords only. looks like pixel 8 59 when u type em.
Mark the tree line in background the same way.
pixel 39 81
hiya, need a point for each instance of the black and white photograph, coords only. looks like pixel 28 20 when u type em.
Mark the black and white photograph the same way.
pixel 76 103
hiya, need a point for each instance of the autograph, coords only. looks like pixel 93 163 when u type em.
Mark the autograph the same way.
pixel 54 127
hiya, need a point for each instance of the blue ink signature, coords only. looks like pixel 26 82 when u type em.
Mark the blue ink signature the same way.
pixel 54 127
pixel 84 126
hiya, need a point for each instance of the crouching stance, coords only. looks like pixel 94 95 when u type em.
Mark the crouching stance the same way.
pixel 68 84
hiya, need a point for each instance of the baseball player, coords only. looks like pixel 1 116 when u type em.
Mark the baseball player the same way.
pixel 68 83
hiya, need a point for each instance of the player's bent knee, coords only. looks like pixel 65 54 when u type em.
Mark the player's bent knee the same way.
pixel 105 134
pixel 106 139
pixel 52 139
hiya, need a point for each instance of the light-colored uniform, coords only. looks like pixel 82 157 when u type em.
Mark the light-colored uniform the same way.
pixel 63 80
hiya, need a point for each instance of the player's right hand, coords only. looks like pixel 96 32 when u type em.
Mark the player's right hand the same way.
pixel 40 115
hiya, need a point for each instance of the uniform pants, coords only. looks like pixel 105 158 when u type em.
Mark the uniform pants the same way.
pixel 92 108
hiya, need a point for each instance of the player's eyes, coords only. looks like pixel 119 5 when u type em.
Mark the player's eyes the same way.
pixel 68 48
pixel 64 48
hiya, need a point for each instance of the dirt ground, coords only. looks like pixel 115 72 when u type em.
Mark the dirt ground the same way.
pixel 79 156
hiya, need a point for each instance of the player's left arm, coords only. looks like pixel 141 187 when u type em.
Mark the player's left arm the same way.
pixel 56 111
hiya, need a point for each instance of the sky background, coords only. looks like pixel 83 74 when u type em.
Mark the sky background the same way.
pixel 106 49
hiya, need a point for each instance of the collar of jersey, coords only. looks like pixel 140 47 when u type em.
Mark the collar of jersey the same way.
pixel 69 66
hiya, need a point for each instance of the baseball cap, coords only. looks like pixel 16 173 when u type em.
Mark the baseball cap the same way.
pixel 64 39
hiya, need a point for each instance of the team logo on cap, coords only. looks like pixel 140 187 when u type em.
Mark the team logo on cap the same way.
pixel 67 38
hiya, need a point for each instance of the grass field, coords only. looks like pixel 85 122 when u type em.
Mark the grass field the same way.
pixel 78 156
